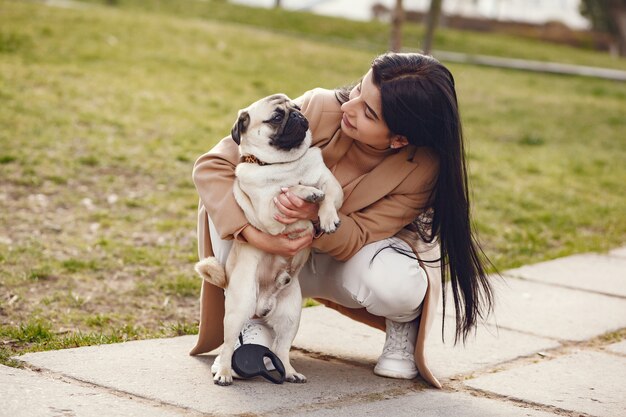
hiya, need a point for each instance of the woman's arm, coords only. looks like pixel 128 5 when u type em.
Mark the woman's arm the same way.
pixel 279 244
pixel 380 220
pixel 214 176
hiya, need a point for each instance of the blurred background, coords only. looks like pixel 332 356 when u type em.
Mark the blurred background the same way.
pixel 599 25
pixel 106 104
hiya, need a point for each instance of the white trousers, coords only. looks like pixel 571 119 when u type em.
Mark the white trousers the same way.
pixel 386 283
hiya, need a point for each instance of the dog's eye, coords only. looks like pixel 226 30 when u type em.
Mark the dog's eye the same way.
pixel 278 118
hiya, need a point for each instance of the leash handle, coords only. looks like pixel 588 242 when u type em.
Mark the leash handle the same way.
pixel 248 362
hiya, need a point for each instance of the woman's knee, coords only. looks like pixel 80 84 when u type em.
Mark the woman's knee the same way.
pixel 393 285
pixel 220 248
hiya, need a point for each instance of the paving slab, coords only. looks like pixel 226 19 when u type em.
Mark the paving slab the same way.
pixel 26 394
pixel 618 252
pixel 430 403
pixel 584 381
pixel 553 312
pixel 161 369
pixel 618 347
pixel 324 330
pixel 592 272
pixel 350 340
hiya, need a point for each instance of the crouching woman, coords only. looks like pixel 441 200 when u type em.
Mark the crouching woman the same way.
pixel 395 144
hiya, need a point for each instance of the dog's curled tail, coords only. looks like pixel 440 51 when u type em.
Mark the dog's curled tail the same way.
pixel 212 271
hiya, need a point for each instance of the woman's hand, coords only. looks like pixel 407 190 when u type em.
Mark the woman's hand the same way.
pixel 292 208
pixel 276 244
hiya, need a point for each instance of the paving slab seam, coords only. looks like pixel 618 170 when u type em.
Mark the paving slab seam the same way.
pixel 557 285
pixel 413 386
pixel 523 403
pixel 612 353
pixel 565 347
pixel 603 339
pixel 370 365
pixel 371 397
pixel 520 361
pixel 596 344
pixel 556 339
pixel 329 357
pixel 47 373
pixel 457 383
pixel 417 385
pixel 497 327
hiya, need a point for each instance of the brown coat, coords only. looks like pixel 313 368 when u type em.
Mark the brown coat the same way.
pixel 381 204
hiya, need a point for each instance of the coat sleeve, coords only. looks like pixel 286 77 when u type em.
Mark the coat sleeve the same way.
pixel 214 176
pixel 379 221
pixel 385 217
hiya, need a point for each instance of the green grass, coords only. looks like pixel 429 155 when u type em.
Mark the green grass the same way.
pixel 370 36
pixel 101 125
pixel 37 335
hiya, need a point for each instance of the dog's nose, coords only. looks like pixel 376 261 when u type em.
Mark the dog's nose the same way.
pixel 297 116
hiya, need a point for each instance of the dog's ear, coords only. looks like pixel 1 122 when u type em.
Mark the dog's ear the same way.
pixel 240 127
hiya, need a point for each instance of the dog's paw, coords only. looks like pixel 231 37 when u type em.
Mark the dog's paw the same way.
pixel 296 378
pixel 333 228
pixel 275 228
pixel 315 197
pixel 329 222
pixel 308 193
pixel 223 377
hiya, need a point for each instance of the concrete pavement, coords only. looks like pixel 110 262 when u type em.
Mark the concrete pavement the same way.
pixel 556 346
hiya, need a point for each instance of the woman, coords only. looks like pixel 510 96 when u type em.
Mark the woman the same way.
pixel 395 144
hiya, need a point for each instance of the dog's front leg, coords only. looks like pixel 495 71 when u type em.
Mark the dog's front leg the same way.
pixel 285 322
pixel 329 218
pixel 308 193
pixel 240 303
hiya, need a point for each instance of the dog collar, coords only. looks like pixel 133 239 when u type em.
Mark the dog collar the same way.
pixel 251 159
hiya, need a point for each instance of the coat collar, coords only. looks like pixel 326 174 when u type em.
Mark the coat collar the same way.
pixel 377 183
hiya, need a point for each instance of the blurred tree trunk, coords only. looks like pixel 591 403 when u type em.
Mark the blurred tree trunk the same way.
pixel 277 4
pixel 608 16
pixel 432 19
pixel 617 11
pixel 397 19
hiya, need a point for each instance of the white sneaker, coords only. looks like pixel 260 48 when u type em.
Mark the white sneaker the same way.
pixel 397 360
pixel 254 331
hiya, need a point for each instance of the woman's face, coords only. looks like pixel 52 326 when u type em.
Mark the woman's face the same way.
pixel 363 117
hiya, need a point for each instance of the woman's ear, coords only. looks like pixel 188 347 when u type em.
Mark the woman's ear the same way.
pixel 398 141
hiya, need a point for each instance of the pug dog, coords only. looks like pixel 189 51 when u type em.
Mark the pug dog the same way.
pixel 274 143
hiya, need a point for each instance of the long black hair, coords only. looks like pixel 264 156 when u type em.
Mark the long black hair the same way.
pixel 419 102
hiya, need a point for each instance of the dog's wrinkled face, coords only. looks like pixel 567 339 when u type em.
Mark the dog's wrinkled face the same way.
pixel 272 129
